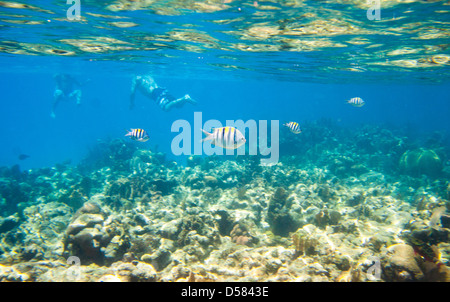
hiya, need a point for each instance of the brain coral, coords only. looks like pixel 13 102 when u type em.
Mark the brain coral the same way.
pixel 421 161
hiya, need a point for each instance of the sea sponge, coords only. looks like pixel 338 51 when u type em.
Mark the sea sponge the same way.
pixel 421 161
pixel 278 215
pixel 305 241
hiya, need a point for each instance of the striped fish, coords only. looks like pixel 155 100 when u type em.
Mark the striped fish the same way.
pixel 294 127
pixel 225 137
pixel 356 102
pixel 139 135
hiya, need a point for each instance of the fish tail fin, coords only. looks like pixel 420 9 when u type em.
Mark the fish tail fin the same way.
pixel 208 136
pixel 129 132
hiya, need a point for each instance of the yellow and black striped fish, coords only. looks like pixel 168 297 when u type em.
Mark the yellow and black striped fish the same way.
pixel 294 127
pixel 139 135
pixel 356 102
pixel 225 137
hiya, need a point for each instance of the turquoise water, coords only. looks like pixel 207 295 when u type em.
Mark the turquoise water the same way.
pixel 240 60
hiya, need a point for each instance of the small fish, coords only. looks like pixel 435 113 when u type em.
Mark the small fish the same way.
pixel 23 156
pixel 356 102
pixel 139 135
pixel 225 137
pixel 435 219
pixel 294 127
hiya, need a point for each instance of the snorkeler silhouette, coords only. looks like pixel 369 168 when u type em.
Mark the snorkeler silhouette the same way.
pixel 148 87
pixel 67 87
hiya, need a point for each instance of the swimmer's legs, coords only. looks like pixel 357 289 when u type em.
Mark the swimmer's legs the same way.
pixel 57 96
pixel 188 99
pixel 179 102
pixel 77 95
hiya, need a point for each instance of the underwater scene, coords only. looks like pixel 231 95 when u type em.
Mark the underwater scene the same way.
pixel 224 141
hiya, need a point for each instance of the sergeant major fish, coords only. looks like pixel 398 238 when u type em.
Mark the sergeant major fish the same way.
pixel 356 102
pixel 225 137
pixel 294 127
pixel 139 135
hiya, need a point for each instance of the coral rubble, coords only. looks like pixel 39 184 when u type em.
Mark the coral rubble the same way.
pixel 323 213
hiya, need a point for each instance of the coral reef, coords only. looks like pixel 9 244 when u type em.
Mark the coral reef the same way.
pixel 335 208
pixel 241 235
pixel 421 161
pixel 404 264
pixel 94 237
pixel 278 215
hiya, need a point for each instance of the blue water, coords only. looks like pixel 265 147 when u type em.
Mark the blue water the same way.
pixel 261 89
pixel 26 125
